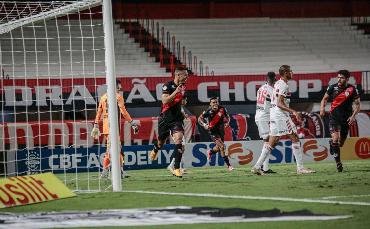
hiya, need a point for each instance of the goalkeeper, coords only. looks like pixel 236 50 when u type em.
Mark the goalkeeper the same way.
pixel 103 112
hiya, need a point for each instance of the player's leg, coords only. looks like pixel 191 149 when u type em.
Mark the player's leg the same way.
pixel 106 160
pixel 163 134
pixel 171 166
pixel 338 136
pixel 215 148
pixel 296 148
pixel 265 165
pixel 177 131
pixel 342 139
pixel 264 132
pixel 219 141
pixel 267 148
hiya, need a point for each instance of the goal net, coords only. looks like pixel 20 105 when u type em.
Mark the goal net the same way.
pixel 52 75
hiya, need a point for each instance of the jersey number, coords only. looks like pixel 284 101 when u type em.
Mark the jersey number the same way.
pixel 261 96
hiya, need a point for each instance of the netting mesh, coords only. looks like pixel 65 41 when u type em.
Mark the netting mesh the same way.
pixel 49 91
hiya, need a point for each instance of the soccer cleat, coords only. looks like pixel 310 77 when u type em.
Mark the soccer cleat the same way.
pixel 257 171
pixel 153 155
pixel 268 171
pixel 305 171
pixel 230 168
pixel 104 173
pixel 177 173
pixel 124 174
pixel 339 167
pixel 209 155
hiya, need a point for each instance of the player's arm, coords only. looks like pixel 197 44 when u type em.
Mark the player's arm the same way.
pixel 95 133
pixel 167 98
pixel 202 121
pixel 126 115
pixel 99 112
pixel 357 108
pixel 122 108
pixel 324 101
pixel 281 104
pixel 226 118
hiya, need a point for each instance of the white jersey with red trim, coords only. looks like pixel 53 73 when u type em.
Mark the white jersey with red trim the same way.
pixel 263 103
pixel 280 88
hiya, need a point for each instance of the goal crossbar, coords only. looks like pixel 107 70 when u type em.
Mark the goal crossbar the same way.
pixel 63 10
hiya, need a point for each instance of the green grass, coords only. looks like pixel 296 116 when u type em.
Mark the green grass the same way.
pixel 355 180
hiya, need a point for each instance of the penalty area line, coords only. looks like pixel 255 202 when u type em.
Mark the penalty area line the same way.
pixel 287 199
pixel 349 196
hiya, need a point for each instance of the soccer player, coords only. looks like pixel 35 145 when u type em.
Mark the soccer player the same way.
pixel 171 118
pixel 281 123
pixel 341 116
pixel 215 119
pixel 262 117
pixel 103 112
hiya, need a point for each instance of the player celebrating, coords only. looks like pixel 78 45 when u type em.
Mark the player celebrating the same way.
pixel 215 119
pixel 281 123
pixel 103 112
pixel 341 115
pixel 262 117
pixel 171 118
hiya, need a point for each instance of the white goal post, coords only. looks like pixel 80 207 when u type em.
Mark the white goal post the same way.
pixel 52 55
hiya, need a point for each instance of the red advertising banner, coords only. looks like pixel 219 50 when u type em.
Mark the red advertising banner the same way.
pixel 147 91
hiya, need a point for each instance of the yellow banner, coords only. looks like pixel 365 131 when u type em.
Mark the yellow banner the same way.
pixel 31 189
pixel 356 149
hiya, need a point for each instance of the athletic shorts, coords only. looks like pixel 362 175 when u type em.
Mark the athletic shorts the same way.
pixel 282 126
pixel 336 126
pixel 263 129
pixel 166 128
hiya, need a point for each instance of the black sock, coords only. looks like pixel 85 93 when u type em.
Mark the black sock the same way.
pixel 226 159
pixel 335 151
pixel 213 151
pixel 178 155
pixel 156 147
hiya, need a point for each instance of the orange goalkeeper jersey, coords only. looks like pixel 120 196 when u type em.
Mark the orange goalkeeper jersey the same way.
pixel 103 111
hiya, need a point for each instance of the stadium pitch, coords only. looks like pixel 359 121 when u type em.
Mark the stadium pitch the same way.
pixel 236 199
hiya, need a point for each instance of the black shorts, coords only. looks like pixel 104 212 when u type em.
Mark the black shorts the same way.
pixel 337 126
pixel 217 135
pixel 166 128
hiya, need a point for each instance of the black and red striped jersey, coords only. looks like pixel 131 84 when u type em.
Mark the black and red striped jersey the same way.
pixel 342 99
pixel 172 111
pixel 215 119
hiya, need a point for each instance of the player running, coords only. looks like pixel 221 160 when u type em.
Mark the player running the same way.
pixel 215 119
pixel 343 95
pixel 171 118
pixel 281 123
pixel 103 112
pixel 262 117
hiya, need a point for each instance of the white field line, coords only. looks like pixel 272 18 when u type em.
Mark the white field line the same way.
pixel 349 196
pixel 211 195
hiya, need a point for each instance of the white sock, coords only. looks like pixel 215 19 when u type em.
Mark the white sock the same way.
pixel 296 146
pixel 266 150
pixel 266 162
pixel 172 164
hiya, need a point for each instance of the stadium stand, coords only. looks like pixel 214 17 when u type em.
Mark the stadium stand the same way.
pixel 85 59
pixel 258 45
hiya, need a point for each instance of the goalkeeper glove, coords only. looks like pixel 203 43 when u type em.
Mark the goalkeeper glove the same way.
pixel 134 126
pixel 95 133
